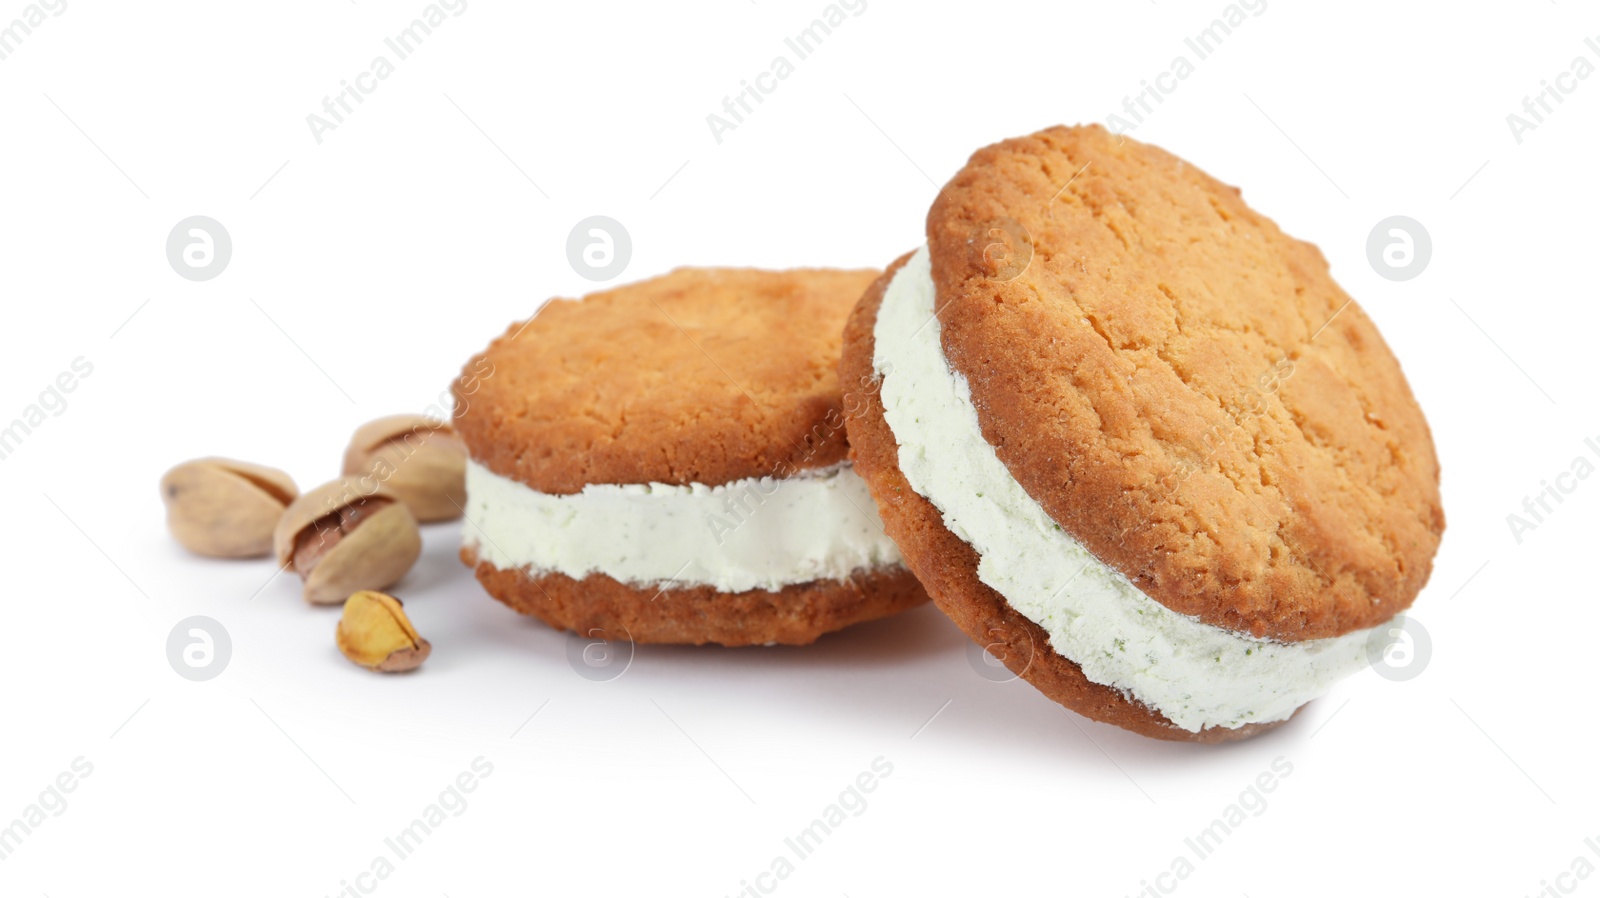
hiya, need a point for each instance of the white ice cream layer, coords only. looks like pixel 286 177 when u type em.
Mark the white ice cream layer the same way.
pixel 1195 674
pixel 758 533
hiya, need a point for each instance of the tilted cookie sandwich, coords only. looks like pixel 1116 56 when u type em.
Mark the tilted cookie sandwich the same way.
pixel 1135 440
pixel 667 462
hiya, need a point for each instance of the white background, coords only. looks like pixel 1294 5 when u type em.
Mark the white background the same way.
pixel 368 268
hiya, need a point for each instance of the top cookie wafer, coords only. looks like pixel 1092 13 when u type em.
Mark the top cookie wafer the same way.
pixel 1183 387
pixel 703 375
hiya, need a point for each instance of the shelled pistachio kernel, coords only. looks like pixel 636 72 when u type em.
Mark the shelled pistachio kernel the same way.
pixel 375 633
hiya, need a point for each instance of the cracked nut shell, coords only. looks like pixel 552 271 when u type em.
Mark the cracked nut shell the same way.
pixel 422 460
pixel 347 536
pixel 225 508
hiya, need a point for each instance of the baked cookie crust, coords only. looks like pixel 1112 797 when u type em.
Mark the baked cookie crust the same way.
pixel 696 615
pixel 1182 386
pixel 703 375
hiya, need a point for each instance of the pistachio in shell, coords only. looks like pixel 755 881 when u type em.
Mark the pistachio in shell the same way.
pixel 345 536
pixel 422 460
pixel 224 508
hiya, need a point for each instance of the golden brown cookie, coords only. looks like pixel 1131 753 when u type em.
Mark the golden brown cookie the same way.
pixel 1181 390
pixel 703 375
pixel 666 462
pixel 1172 312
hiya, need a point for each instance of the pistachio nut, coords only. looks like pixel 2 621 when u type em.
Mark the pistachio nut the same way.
pixel 422 460
pixel 225 508
pixel 375 633
pixel 345 536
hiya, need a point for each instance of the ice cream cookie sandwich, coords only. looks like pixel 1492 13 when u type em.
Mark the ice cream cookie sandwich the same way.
pixel 1134 439
pixel 667 462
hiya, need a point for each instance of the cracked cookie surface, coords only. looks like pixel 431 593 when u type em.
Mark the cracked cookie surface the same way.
pixel 1183 387
pixel 702 375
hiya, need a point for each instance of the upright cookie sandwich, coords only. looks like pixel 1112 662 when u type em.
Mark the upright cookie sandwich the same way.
pixel 667 462
pixel 1135 439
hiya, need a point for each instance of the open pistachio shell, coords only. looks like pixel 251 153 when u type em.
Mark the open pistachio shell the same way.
pixel 346 536
pixel 421 460
pixel 225 508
